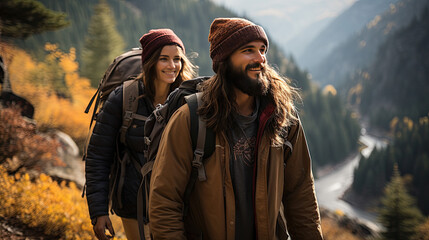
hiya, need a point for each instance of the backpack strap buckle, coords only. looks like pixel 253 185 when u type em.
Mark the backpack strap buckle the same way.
pixel 198 164
pixel 198 156
pixel 158 115
pixel 147 141
pixel 128 116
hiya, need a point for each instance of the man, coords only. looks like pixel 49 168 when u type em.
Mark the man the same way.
pixel 260 172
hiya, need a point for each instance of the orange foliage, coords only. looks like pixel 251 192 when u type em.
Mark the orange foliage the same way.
pixel 332 231
pixel 36 81
pixel 58 209
pixel 329 89
pixel 394 123
pixel 408 122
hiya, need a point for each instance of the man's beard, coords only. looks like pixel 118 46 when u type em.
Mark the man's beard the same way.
pixel 241 80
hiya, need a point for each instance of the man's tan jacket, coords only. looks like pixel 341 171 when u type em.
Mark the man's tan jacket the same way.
pixel 283 189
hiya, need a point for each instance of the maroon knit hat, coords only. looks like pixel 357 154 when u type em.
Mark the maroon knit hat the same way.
pixel 228 34
pixel 157 38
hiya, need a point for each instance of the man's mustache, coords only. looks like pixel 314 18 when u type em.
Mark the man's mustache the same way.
pixel 254 65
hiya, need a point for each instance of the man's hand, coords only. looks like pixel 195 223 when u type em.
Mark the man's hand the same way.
pixel 100 226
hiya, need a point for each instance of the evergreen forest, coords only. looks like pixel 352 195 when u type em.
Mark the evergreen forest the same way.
pixel 409 150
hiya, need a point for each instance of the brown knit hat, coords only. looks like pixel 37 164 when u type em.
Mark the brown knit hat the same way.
pixel 157 38
pixel 228 34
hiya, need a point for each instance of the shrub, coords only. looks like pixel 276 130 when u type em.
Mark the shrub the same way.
pixel 56 208
pixel 21 146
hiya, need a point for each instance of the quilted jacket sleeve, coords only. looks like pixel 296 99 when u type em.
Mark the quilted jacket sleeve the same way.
pixel 101 153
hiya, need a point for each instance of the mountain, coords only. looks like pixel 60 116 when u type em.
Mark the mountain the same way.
pixel 299 42
pixel 292 23
pixel 359 51
pixel 346 24
pixel 398 81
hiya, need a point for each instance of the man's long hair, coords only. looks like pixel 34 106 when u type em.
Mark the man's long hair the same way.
pixel 219 101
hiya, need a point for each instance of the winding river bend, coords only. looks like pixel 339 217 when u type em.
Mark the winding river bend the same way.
pixel 330 187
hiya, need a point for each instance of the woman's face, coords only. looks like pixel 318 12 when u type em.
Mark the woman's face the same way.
pixel 169 64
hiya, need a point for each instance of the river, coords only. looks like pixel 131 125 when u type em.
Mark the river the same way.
pixel 330 187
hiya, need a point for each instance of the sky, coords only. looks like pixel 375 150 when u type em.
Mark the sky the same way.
pixel 291 23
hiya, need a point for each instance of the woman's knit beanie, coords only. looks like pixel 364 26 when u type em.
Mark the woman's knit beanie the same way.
pixel 157 38
pixel 228 34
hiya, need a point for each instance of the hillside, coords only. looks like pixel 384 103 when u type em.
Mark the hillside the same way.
pixel 398 82
pixel 359 50
pixel 338 30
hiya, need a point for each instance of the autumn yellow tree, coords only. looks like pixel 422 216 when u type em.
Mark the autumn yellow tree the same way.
pixel 38 83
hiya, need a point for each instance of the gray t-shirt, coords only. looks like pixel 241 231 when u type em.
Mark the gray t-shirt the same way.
pixel 242 138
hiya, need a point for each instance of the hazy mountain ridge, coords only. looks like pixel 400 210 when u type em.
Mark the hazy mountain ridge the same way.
pixel 359 51
pixel 342 27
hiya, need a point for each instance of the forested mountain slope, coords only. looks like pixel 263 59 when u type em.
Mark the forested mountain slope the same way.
pixel 359 51
pixel 398 82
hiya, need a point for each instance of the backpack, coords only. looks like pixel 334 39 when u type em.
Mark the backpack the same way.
pixel 203 143
pixel 123 70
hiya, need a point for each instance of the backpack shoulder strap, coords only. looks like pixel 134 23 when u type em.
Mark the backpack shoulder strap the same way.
pixel 203 138
pixel 129 106
pixel 197 126
pixel 203 144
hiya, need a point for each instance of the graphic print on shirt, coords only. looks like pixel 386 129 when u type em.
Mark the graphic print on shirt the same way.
pixel 243 150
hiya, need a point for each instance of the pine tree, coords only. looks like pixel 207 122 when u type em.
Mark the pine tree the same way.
pixel 102 44
pixel 22 18
pixel 398 213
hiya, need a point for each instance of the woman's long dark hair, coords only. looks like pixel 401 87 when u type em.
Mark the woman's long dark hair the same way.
pixel 149 73
pixel 219 101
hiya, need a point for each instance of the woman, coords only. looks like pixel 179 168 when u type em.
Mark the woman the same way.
pixel 165 67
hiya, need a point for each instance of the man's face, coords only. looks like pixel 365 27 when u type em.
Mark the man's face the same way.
pixel 246 68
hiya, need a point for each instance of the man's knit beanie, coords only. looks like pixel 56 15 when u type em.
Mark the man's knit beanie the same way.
pixel 228 34
pixel 157 38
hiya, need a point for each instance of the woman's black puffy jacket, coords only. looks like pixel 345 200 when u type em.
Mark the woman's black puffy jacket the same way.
pixel 102 154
